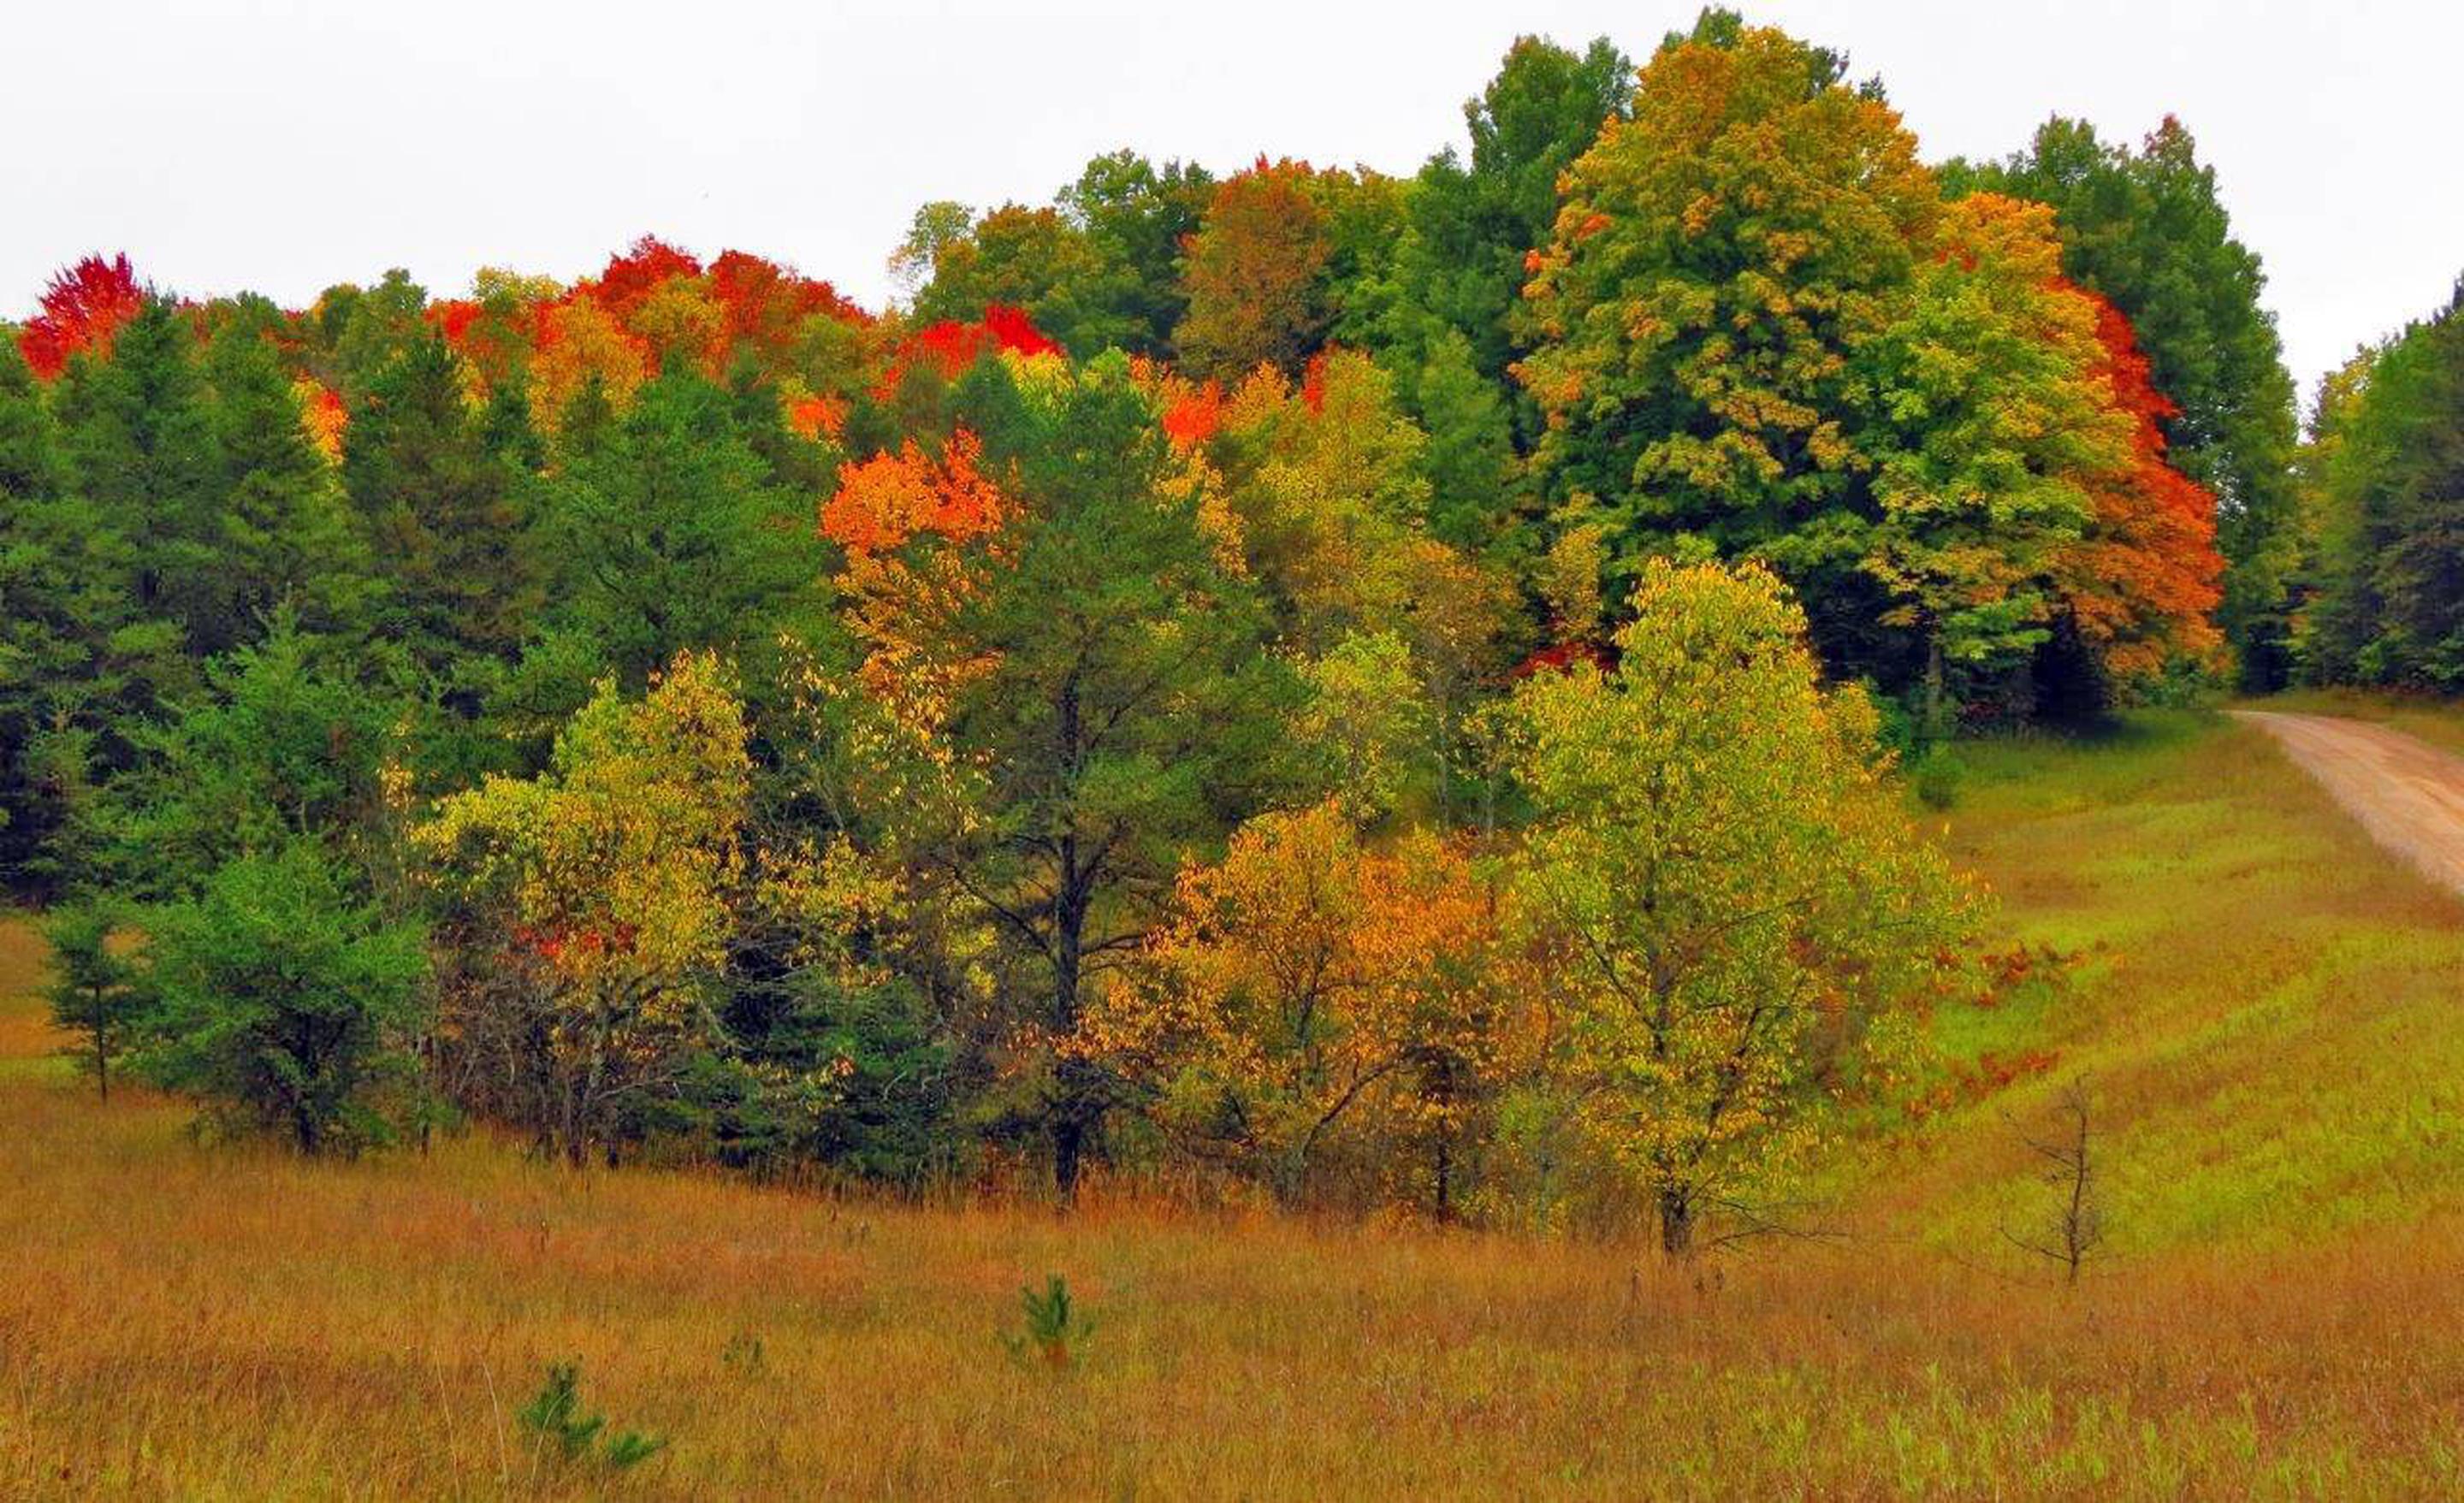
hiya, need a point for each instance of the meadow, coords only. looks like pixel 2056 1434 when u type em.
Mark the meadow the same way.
pixel 2262 1005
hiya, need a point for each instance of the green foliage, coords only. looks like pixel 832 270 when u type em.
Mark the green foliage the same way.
pixel 443 509
pixel 554 1415
pixel 284 999
pixel 1739 921
pixel 2387 493
pixel 1052 1330
pixel 96 991
pixel 670 535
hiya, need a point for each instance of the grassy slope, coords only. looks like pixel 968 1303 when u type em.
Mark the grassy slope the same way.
pixel 2269 1022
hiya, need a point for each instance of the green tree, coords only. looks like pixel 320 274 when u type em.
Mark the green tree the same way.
pixel 1090 692
pixel 1716 262
pixel 288 535
pixel 95 989
pixel 444 510
pixel 1473 221
pixel 142 449
pixel 670 534
pixel 285 999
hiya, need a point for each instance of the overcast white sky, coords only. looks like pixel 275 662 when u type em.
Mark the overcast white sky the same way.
pixel 286 144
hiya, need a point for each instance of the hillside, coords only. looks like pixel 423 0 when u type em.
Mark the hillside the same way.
pixel 2262 1001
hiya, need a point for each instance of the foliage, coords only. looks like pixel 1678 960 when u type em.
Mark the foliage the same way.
pixel 599 893
pixel 284 999
pixel 1054 1329
pixel 96 991
pixel 1742 924
pixel 554 1414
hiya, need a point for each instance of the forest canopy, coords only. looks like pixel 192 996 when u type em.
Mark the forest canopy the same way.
pixel 1379 687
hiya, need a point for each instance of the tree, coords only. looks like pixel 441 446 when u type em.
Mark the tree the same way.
pixel 95 988
pixel 288 535
pixel 83 311
pixel 1087 695
pixel 668 535
pixel 142 449
pixel 1739 919
pixel 1253 275
pixel 591 907
pixel 284 999
pixel 1473 221
pixel 1717 260
pixel 2389 607
pixel 1311 1000
pixel 2146 230
pixel 1994 422
pixel 1139 215
pixel 444 511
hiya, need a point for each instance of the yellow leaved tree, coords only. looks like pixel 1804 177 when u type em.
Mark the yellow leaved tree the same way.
pixel 1740 923
pixel 596 902
pixel 1313 1000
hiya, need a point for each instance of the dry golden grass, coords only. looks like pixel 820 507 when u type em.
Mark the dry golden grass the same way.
pixel 179 1320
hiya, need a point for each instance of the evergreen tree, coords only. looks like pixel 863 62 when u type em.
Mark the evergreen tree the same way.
pixel 142 449
pixel 442 508
pixel 285 999
pixel 289 538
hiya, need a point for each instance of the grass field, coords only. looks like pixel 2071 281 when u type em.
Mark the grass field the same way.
pixel 2266 1008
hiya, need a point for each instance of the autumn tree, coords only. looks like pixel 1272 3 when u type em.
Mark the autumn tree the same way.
pixel 2145 230
pixel 1716 261
pixel 1742 923
pixel 591 907
pixel 2141 587
pixel 1995 423
pixel 1253 273
pixel 82 311
pixel 1311 1000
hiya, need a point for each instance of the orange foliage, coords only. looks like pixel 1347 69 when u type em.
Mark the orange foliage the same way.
pixel 82 309
pixel 322 414
pixel 2144 583
pixel 889 498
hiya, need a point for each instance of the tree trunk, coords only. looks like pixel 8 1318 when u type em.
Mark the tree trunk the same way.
pixel 1936 733
pixel 1068 1153
pixel 1676 1222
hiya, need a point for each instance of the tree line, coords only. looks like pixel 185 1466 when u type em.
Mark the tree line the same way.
pixel 1381 690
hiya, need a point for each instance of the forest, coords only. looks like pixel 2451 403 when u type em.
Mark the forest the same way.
pixel 1305 687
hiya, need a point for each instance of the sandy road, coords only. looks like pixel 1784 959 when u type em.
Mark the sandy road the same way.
pixel 2407 793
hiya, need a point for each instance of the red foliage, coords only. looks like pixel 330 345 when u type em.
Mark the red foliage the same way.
pixel 636 273
pixel 814 416
pixel 82 309
pixel 951 346
pixel 454 318
pixel 2149 578
pixel 766 304
pixel 889 498
pixel 1196 416
pixel 1564 655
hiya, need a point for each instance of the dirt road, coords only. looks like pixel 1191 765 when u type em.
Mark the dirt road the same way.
pixel 2407 793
